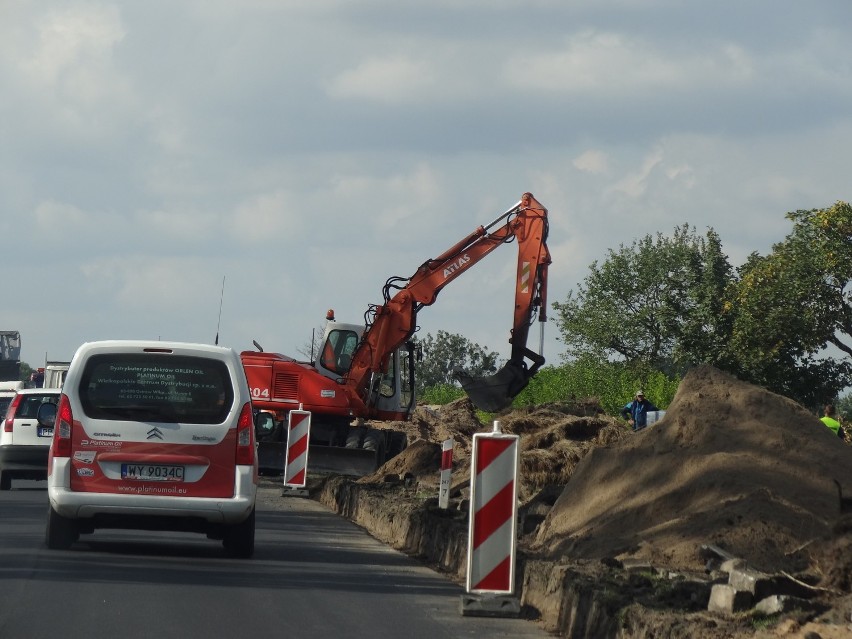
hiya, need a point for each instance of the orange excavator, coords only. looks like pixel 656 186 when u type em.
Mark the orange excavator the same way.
pixel 367 372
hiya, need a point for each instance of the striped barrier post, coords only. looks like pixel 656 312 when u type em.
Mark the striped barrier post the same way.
pixel 446 473
pixel 492 525
pixel 298 435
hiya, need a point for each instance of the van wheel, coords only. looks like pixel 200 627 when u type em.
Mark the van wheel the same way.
pixel 61 532
pixel 5 481
pixel 239 538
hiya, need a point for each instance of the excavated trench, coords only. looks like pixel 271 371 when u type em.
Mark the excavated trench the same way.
pixel 567 600
pixel 621 554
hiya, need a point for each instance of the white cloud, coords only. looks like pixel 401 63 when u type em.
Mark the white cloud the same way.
pixel 72 43
pixel 177 225
pixel 150 284
pixel 591 162
pixel 634 184
pixel 394 198
pixel 270 217
pixel 61 63
pixel 58 219
pixel 607 63
pixel 393 79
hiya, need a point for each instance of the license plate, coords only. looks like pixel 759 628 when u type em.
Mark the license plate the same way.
pixel 45 432
pixel 152 472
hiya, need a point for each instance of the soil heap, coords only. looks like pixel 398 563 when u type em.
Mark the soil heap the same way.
pixel 731 464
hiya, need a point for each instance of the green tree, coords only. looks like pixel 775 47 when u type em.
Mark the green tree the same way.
pixel 655 304
pixel 844 407
pixel 445 352
pixel 793 304
pixel 26 372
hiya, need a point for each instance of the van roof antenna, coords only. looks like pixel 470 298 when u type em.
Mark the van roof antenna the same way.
pixel 219 321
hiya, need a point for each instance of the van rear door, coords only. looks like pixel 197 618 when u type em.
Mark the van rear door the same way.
pixel 155 423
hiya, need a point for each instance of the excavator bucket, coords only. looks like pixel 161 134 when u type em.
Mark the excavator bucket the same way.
pixel 495 392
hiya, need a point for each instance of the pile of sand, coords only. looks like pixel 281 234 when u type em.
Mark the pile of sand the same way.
pixel 553 439
pixel 731 464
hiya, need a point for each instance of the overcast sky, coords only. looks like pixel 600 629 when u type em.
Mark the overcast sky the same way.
pixel 306 150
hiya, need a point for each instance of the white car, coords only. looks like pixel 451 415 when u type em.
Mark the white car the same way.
pixel 26 435
pixel 154 436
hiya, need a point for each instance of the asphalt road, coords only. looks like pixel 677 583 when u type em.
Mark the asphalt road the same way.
pixel 313 575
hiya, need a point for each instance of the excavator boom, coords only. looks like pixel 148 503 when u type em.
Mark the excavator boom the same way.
pixel 394 322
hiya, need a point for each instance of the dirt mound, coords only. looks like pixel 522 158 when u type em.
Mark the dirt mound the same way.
pixel 553 439
pixel 421 458
pixel 456 420
pixel 731 464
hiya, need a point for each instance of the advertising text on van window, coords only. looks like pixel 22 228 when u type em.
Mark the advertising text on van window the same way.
pixel 154 370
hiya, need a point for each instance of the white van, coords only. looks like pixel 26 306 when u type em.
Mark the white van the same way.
pixel 154 436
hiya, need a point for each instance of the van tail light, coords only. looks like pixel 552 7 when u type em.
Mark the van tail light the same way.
pixel 62 429
pixel 245 437
pixel 10 414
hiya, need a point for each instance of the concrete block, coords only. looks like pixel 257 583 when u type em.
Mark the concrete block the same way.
pixel 775 604
pixel 748 580
pixel 289 491
pixel 488 605
pixel 729 565
pixel 726 599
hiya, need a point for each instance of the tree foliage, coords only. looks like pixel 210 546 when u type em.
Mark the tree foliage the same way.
pixel 844 408
pixel 26 372
pixel 612 384
pixel 447 351
pixel 783 321
pixel 656 303
pixel 794 303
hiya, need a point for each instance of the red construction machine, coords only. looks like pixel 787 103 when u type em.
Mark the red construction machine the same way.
pixel 367 372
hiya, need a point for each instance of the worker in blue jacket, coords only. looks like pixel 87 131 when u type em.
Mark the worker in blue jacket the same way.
pixel 636 412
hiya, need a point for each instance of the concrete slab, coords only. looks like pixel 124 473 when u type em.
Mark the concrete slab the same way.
pixel 726 600
pixel 488 605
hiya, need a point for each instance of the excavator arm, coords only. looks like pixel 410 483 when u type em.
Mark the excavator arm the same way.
pixel 391 324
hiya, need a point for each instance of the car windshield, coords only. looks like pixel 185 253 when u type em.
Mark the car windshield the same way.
pixel 155 387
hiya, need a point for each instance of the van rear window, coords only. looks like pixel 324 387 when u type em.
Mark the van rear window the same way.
pixel 149 387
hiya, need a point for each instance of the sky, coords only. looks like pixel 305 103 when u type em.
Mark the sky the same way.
pixel 180 169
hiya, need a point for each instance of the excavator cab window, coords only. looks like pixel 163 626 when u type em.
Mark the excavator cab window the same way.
pixel 338 350
pixel 387 385
pixel 406 369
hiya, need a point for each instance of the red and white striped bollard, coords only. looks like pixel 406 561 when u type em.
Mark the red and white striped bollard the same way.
pixel 493 513
pixel 298 436
pixel 446 473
